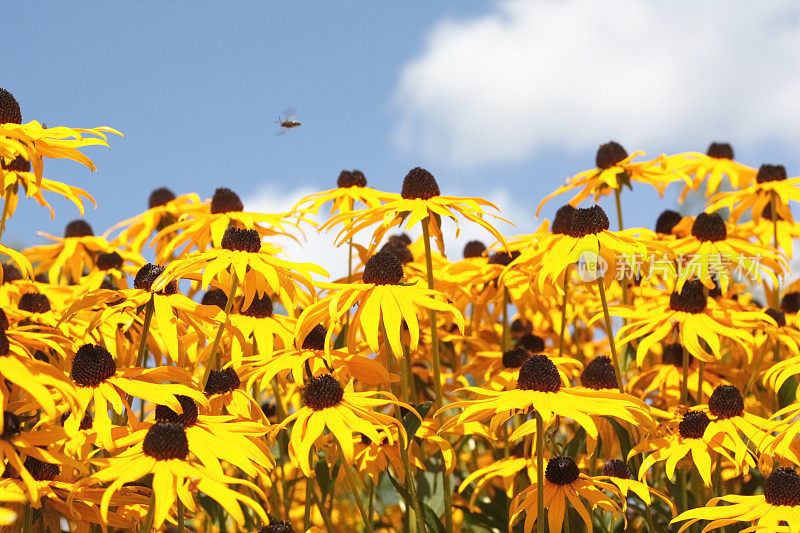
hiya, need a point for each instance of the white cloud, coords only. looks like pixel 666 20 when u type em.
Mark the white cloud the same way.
pixel 318 247
pixel 571 74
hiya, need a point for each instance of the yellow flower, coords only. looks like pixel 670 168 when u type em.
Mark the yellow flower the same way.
pixel 418 202
pixel 165 453
pixel 713 165
pixel 343 413
pixel 771 186
pixel 614 170
pixel 616 472
pixel 383 301
pixel 777 510
pixel 563 484
pixel 351 188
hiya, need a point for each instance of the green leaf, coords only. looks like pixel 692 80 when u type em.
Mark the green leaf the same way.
pixel 411 423
pixel 324 480
pixel 576 444
pixel 622 435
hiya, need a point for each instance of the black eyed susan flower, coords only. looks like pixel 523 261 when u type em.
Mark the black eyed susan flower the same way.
pixel 164 209
pixel 225 396
pixel 99 380
pixel 503 472
pixel 33 141
pixel 696 317
pixel 419 201
pixel 614 169
pixel 616 472
pixel 164 452
pixel 351 187
pixel 327 405
pixel 710 168
pixel 716 250
pixel 203 225
pixel 771 187
pixel 383 301
pixel 243 255
pixel 681 437
pixel 564 485
pixel 777 509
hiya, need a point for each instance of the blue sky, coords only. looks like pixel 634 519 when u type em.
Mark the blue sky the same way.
pixel 386 86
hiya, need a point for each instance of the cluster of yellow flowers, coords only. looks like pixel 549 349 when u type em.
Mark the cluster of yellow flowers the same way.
pixel 578 377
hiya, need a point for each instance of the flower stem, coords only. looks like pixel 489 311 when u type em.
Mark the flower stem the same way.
pixel 147 525
pixel 141 356
pixel 618 201
pixel 6 206
pixel 561 338
pixel 437 376
pixel 685 380
pixel 506 341
pixel 610 333
pixel 354 489
pixel 307 507
pixel 180 515
pixel 411 487
pixel 539 473
pixel 700 367
pixel 213 360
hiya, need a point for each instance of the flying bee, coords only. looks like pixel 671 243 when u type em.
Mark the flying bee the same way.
pixel 287 121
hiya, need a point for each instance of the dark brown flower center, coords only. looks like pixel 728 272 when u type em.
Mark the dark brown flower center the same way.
pixel 159 197
pixel 277 526
pixel 777 315
pixel 692 299
pixel 534 343
pixel 11 273
pixel 790 303
pixel 562 222
pixel 609 154
pixel 260 307
pixel 78 228
pixel 693 425
pixel 215 297
pixel 726 402
pixel 165 440
pixel 242 240
pixel 561 470
pixel 599 374
pixel 9 108
pixel 225 201
pixel 400 238
pixel 503 258
pixel 147 275
pixel 315 340
pixel 11 425
pixel 186 419
pixel 18 164
pixel 474 249
pixel 400 250
pixel 673 355
pixel 666 221
pixel 5 346
pixel 419 183
pixel 222 381
pixel 383 268
pixel 709 227
pixel 767 173
pixel 34 302
pixel 92 365
pixel 538 373
pixel 322 392
pixel 514 357
pixel 617 468
pixel 782 487
pixel 41 471
pixel 108 261
pixel 588 221
pixel 720 151
pixel 351 178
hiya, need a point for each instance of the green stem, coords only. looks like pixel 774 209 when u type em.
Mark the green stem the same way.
pixel 684 490
pixel 437 376
pixel 354 490
pixel 618 201
pixel 718 490
pixel 411 486
pixel 325 516
pixel 685 380
pixel 610 333
pixel 700 367
pixel 147 525
pixel 283 447
pixel 6 207
pixel 506 340
pixel 370 496
pixel 561 338
pixel 141 356
pixel 212 357
pixel 540 472
pixel 180 515
pixel 307 503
